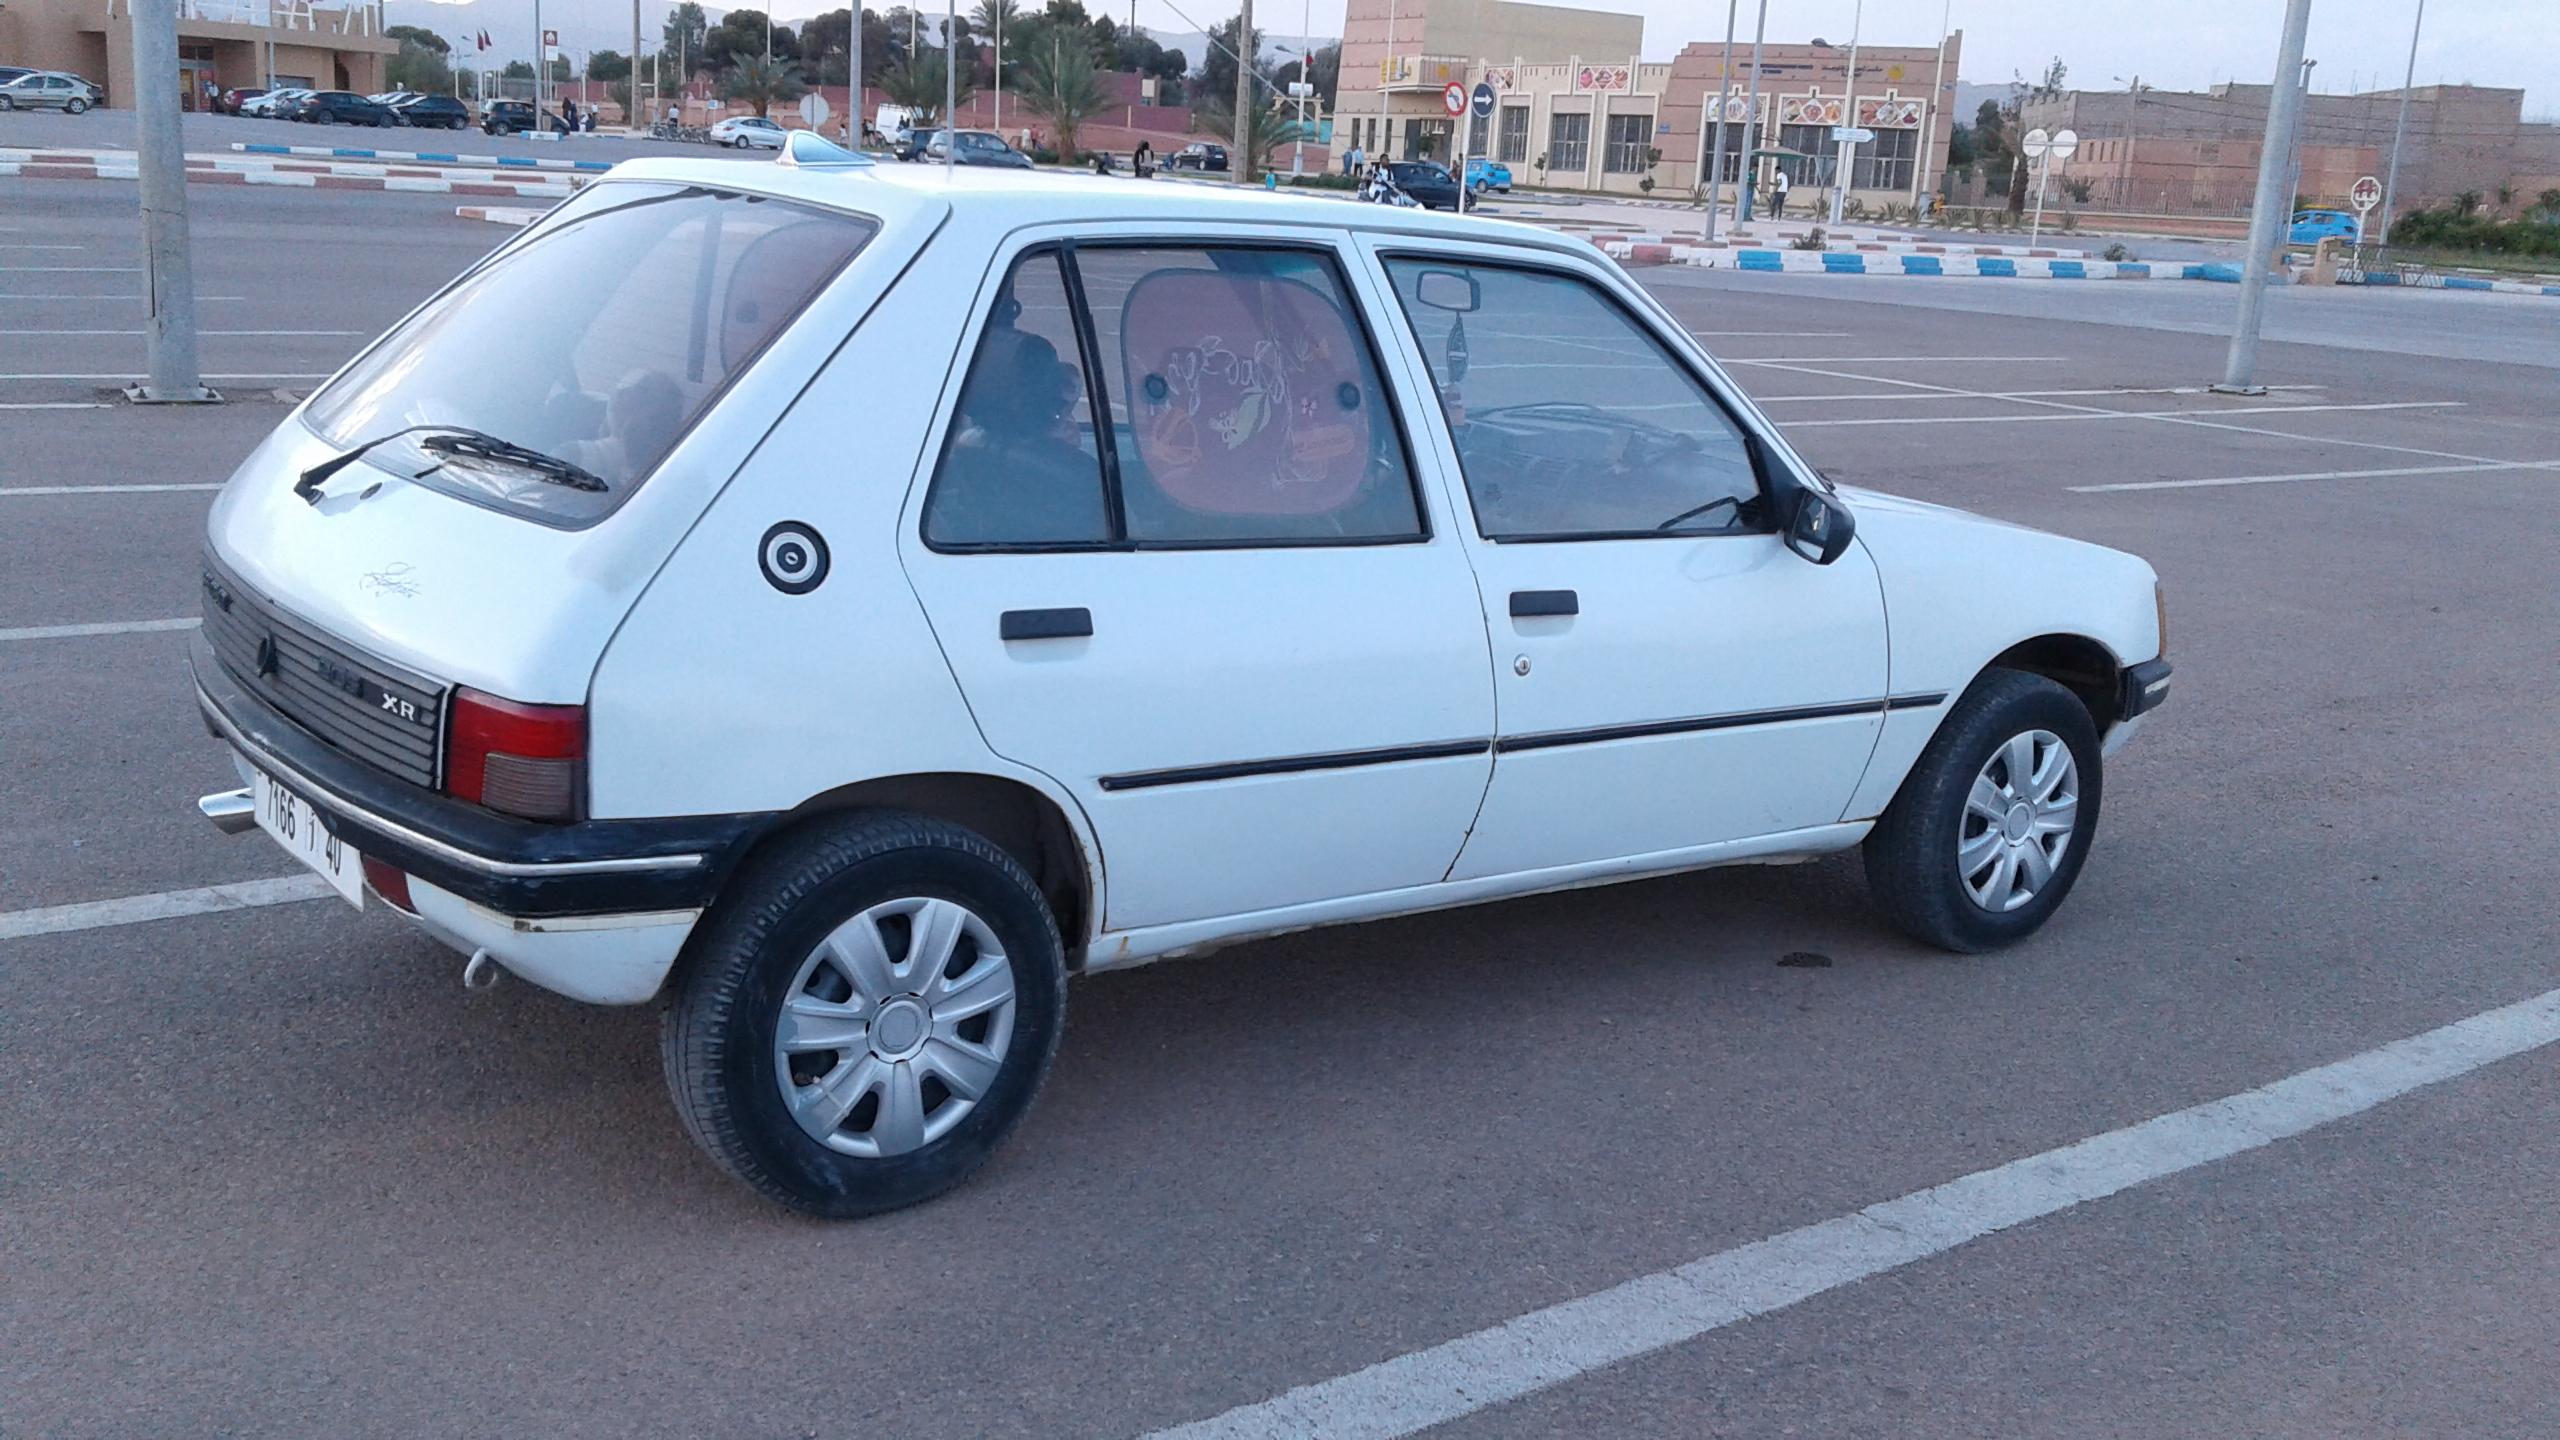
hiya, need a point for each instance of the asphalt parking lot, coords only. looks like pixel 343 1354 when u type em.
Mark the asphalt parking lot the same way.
pixel 271 1170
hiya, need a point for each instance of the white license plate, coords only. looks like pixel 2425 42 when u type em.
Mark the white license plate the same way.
pixel 304 835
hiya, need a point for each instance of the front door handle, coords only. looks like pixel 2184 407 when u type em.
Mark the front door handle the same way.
pixel 1525 603
pixel 1062 624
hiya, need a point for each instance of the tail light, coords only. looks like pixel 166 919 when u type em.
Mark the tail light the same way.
pixel 528 761
pixel 391 883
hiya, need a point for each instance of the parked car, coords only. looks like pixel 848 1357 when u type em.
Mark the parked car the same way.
pixel 511 117
pixel 274 104
pixel 910 143
pixel 434 112
pixel 49 90
pixel 12 72
pixel 1198 155
pixel 741 132
pixel 977 147
pixel 632 661
pixel 1427 181
pixel 229 101
pixel 2310 227
pixel 1483 175
pixel 338 107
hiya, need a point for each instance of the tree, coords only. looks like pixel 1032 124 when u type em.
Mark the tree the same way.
pixel 1324 71
pixel 418 67
pixel 1217 73
pixel 419 35
pixel 1069 13
pixel 1063 87
pixel 741 33
pixel 883 45
pixel 762 83
pixel 917 83
pixel 1139 54
pixel 826 41
pixel 608 65
pixel 986 18
pixel 1274 125
pixel 684 33
pixel 517 70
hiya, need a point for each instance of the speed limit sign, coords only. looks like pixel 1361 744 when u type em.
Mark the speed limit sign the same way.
pixel 1454 98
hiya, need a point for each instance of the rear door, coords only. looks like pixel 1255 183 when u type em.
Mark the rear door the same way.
pixel 1668 674
pixel 1174 547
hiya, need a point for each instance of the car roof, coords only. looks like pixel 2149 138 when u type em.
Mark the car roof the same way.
pixel 900 193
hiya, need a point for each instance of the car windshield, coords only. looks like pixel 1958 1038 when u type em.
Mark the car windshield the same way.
pixel 599 341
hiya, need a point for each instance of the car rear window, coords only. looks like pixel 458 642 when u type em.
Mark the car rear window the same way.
pixel 599 341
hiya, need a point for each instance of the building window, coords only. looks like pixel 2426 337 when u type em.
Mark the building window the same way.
pixel 1515 134
pixel 1730 171
pixel 1569 142
pixel 1630 136
pixel 1885 163
pixel 1812 161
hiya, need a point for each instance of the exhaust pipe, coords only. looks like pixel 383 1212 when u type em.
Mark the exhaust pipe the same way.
pixel 233 812
pixel 481 971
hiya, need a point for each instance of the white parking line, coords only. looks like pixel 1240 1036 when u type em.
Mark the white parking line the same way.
pixel 2483 466
pixel 8 490
pixel 128 375
pixel 2093 413
pixel 15 246
pixel 1772 334
pixel 112 627
pixel 70 269
pixel 166 905
pixel 50 405
pixel 93 299
pixel 1652 1312
pixel 1892 360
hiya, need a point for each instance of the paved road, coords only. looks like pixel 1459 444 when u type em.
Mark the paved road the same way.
pixel 274 1172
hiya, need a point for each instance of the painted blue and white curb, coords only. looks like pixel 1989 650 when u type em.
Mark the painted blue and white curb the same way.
pixel 2448 282
pixel 333 152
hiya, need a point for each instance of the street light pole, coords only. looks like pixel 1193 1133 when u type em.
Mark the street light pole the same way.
pixel 161 163
pixel 1930 109
pixel 1848 149
pixel 2391 180
pixel 1715 149
pixel 1752 131
pixel 2271 208
pixel 1240 164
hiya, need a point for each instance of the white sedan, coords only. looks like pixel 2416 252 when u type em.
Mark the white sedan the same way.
pixel 747 132
pixel 1252 564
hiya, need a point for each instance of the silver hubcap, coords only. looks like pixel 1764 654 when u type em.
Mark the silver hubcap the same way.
pixel 895 1027
pixel 2018 820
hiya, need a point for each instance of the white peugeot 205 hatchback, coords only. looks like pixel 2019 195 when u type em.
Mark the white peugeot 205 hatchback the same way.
pixel 1259 563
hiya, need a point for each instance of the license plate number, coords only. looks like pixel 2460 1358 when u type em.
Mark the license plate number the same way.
pixel 293 824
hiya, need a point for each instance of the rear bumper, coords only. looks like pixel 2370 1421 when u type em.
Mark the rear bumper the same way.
pixel 513 869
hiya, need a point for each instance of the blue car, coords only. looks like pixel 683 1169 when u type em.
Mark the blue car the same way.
pixel 1483 175
pixel 2310 227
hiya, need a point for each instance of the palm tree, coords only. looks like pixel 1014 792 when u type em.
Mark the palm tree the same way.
pixel 1064 88
pixel 1276 125
pixel 762 83
pixel 993 13
pixel 916 82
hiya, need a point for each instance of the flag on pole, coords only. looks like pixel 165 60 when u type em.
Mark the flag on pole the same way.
pixel 484 39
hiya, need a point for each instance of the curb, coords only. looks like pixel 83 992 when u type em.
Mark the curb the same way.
pixel 202 172
pixel 1885 245
pixel 512 162
pixel 2446 282
pixel 1987 267
pixel 497 214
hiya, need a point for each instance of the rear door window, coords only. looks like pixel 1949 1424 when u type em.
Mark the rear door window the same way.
pixel 599 342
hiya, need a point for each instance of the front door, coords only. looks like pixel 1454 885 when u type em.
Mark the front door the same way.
pixel 1174 548
pixel 1668 674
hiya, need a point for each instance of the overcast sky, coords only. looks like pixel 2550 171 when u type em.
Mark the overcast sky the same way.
pixel 2175 44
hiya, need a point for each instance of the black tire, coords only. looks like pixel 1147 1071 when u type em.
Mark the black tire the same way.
pixel 718 1035
pixel 76 106
pixel 1912 868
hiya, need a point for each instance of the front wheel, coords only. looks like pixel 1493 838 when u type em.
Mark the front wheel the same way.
pixel 77 106
pixel 868 1014
pixel 1993 823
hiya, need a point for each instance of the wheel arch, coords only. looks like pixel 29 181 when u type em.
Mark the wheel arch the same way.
pixel 1034 827
pixel 2081 664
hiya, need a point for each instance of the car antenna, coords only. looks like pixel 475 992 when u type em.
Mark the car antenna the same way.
pixel 809 150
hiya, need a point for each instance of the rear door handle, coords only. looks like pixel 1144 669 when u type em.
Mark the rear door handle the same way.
pixel 1061 624
pixel 1526 603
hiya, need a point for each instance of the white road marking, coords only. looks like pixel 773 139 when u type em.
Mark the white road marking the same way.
pixel 1547 1347
pixel 128 375
pixel 50 405
pixel 70 269
pixel 1772 334
pixel 15 246
pixel 8 490
pixel 2222 480
pixel 200 332
pixel 2014 394
pixel 166 905
pixel 2095 413
pixel 112 627
pixel 33 295
pixel 2197 420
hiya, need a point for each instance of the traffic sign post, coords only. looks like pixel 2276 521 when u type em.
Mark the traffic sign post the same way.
pixel 1453 98
pixel 813 109
pixel 1479 105
pixel 2366 194
pixel 2044 149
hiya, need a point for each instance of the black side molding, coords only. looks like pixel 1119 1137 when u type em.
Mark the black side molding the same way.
pixel 1061 624
pixel 2145 686
pixel 1295 764
pixel 1526 603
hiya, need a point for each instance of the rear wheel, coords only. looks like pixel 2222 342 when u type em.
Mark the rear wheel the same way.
pixel 1992 825
pixel 867 1015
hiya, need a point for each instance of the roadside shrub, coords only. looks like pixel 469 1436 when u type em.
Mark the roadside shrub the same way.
pixel 1042 154
pixel 2455 229
pixel 2117 252
pixel 1325 182
pixel 1812 239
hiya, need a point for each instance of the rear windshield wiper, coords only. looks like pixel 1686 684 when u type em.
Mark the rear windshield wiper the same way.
pixel 453 440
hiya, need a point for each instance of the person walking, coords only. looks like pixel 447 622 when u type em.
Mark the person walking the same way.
pixel 569 113
pixel 1142 161
pixel 1353 160
pixel 1778 187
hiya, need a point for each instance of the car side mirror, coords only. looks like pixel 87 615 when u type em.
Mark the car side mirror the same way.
pixel 1819 527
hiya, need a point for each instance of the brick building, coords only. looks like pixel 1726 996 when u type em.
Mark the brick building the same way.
pixel 228 42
